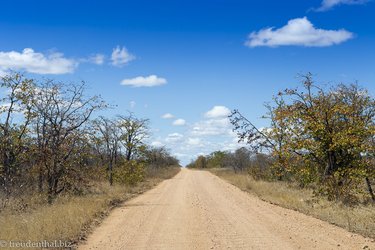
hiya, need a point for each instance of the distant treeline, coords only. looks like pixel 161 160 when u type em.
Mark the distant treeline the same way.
pixel 318 137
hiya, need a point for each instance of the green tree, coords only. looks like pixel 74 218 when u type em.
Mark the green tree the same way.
pixel 133 133
pixel 319 135
pixel 201 162
pixel 15 117
pixel 216 159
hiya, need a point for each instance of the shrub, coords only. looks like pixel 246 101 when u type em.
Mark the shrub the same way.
pixel 129 173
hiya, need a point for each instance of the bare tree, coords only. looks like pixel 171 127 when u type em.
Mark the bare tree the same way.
pixel 107 138
pixel 267 140
pixel 62 114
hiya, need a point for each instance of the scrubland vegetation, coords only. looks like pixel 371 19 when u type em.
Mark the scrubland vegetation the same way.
pixel 62 166
pixel 70 217
pixel 317 155
pixel 358 219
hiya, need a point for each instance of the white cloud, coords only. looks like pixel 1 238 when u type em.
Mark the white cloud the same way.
pixel 217 112
pixel 179 122
pixel 180 155
pixel 216 123
pixel 167 116
pixel 174 137
pixel 298 32
pixel 97 59
pixel 36 62
pixel 212 133
pixel 329 4
pixel 194 141
pixel 157 144
pixel 121 56
pixel 141 81
pixel 211 127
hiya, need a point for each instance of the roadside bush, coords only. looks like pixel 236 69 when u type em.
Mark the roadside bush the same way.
pixel 129 173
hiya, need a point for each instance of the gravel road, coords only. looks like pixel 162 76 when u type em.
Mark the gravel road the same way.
pixel 197 210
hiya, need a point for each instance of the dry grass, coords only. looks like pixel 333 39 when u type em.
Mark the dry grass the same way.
pixel 70 218
pixel 359 219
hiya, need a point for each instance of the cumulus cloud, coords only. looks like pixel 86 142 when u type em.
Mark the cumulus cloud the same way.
pixel 298 32
pixel 121 56
pixel 167 116
pixel 174 137
pixel 179 122
pixel 36 62
pixel 141 81
pixel 329 4
pixel 216 122
pixel 217 112
pixel 211 133
pixel 211 127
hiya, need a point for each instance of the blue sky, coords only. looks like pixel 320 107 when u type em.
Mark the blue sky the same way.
pixel 188 57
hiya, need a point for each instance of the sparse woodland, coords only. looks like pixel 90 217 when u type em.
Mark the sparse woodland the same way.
pixel 63 163
pixel 53 142
pixel 320 138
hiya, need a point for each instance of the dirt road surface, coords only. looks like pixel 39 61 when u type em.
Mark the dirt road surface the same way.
pixel 197 210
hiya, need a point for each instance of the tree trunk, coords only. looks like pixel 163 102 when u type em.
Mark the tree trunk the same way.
pixel 331 164
pixel 371 192
pixel 50 192
pixel 110 173
pixel 6 167
pixel 40 179
pixel 129 154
